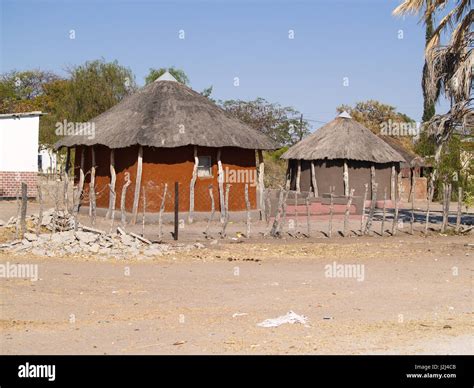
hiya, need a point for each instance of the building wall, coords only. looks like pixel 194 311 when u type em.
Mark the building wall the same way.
pixel 18 154
pixel 168 165
pixel 330 173
pixel 10 183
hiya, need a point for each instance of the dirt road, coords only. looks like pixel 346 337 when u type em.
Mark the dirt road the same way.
pixel 415 296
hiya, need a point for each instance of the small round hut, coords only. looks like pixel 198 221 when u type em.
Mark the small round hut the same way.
pixel 345 155
pixel 167 133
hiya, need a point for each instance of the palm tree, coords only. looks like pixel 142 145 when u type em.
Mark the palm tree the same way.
pixel 449 66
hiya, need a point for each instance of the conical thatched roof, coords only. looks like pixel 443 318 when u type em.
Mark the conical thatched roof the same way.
pixel 411 158
pixel 343 138
pixel 169 114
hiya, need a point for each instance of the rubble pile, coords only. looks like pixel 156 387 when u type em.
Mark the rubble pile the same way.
pixel 64 240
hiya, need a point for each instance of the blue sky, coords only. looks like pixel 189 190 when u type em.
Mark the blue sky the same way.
pixel 333 39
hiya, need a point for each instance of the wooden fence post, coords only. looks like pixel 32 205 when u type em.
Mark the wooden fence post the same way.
pixel 362 218
pixel 92 196
pixel 331 209
pixel 191 186
pixel 176 210
pixel 308 217
pixel 313 180
pixel 347 212
pixel 382 227
pixel 24 205
pixel 395 216
pixel 459 212
pixel 40 214
pixel 128 182
pixel 138 184
pixel 261 183
pixel 247 205
pixel 213 209
pixel 413 195
pixel 429 200
pixel 160 214
pixel 372 209
pixel 113 180
pixel 220 181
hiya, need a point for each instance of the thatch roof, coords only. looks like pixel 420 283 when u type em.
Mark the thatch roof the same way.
pixel 169 114
pixel 343 138
pixel 411 158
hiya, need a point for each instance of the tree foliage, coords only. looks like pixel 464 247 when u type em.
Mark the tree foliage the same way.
pixel 282 123
pixel 179 74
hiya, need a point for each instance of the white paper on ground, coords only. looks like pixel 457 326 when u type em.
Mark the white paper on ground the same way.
pixel 289 317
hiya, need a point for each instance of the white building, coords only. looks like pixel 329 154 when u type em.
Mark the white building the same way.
pixel 19 136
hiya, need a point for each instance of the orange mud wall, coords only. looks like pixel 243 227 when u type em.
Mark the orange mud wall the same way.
pixel 168 165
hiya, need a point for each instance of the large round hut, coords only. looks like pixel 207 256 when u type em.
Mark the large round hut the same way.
pixel 167 133
pixel 345 155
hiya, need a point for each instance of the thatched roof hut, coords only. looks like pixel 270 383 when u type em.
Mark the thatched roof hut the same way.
pixel 342 154
pixel 167 133
pixel 411 159
pixel 168 114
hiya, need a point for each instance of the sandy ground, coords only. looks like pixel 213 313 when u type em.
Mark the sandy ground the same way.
pixel 416 297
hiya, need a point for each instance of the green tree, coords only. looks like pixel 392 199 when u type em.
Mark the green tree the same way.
pixel 179 74
pixel 95 87
pixel 19 90
pixel 373 115
pixel 282 124
pixel 448 57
